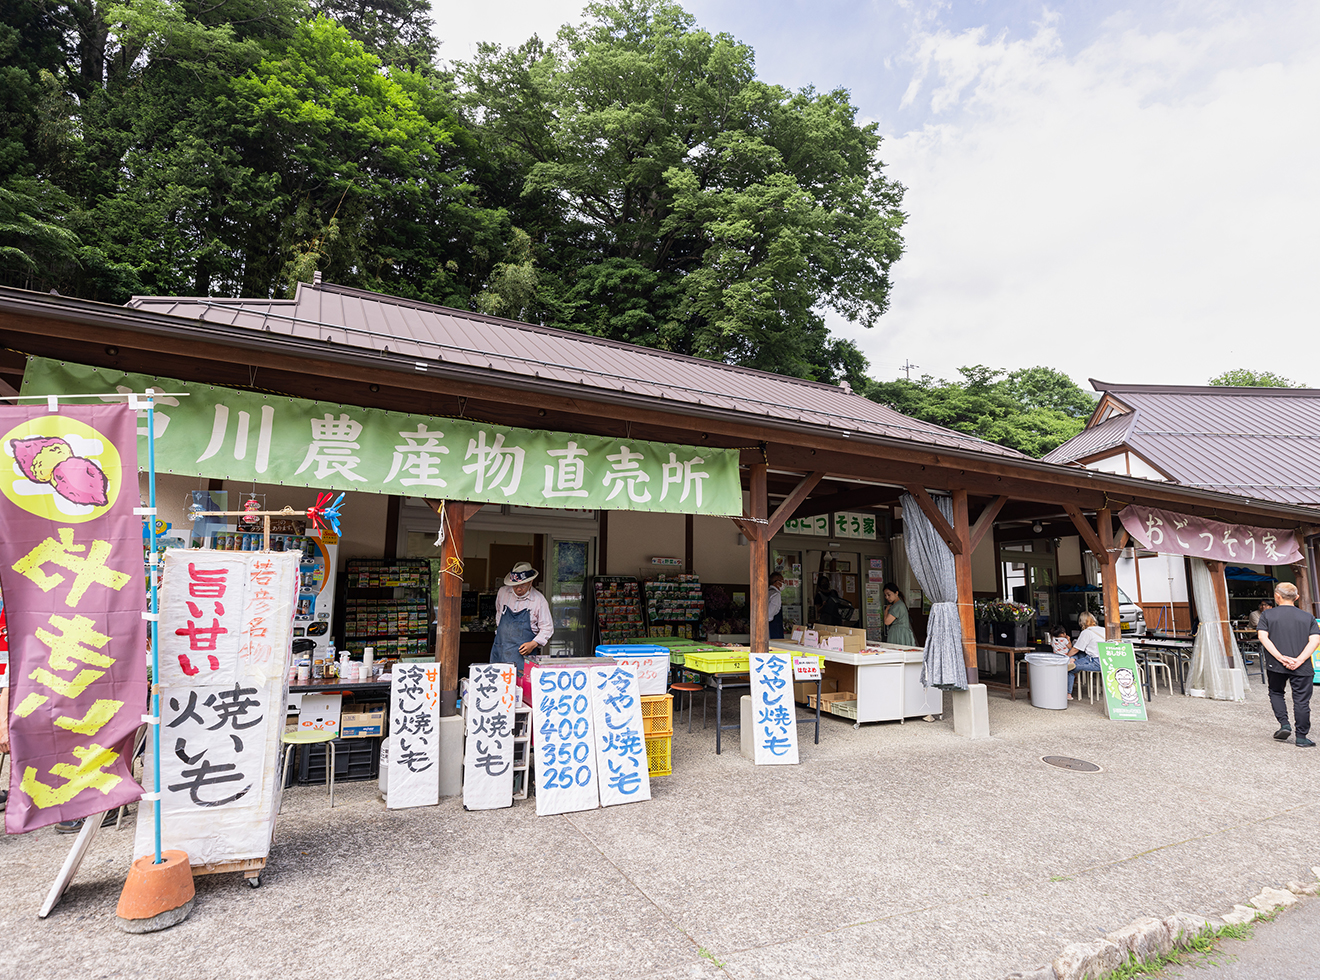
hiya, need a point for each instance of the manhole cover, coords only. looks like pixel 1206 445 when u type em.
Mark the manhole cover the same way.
pixel 1075 765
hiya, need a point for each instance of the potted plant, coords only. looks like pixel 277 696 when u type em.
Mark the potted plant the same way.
pixel 1010 620
pixel 984 631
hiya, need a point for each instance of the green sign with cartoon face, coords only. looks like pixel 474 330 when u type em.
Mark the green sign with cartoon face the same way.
pixel 1122 682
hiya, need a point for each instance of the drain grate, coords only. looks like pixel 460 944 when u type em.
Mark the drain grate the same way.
pixel 1074 765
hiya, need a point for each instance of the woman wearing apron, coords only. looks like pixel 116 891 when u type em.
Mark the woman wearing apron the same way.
pixel 775 607
pixel 523 623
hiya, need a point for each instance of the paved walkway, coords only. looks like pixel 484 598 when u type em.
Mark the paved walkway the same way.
pixel 893 851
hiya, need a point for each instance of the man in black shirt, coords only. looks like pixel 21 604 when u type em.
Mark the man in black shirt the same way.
pixel 1289 637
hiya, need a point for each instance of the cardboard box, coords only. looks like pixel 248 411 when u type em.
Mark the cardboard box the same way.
pixel 320 713
pixel 362 721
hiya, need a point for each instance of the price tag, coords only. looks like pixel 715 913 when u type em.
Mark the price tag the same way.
pixel 806 669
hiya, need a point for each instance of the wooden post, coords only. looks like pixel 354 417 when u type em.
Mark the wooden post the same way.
pixel 1216 569
pixel 758 561
pixel 450 613
pixel 962 564
pixel 1108 574
pixel 1303 586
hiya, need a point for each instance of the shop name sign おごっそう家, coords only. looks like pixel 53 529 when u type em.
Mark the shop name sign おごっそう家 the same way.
pixel 243 435
pixel 71 569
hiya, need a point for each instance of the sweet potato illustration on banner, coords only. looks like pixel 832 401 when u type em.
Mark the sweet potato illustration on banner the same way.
pixel 50 459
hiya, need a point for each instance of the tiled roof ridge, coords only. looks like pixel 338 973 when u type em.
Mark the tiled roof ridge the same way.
pixel 1227 390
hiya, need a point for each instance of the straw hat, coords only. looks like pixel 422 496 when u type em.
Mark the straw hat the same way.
pixel 522 573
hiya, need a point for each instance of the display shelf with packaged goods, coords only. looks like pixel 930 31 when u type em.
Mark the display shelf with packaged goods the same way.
pixel 674 605
pixel 387 606
pixel 616 608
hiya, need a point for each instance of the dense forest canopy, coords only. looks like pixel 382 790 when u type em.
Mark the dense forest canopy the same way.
pixel 631 178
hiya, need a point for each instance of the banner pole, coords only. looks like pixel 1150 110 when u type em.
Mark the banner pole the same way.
pixel 153 568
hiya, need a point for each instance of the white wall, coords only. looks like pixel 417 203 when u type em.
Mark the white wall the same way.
pixel 716 554
pixel 1139 467
pixel 1069 554
pixel 1114 464
pixel 635 538
pixel 984 578
pixel 1156 572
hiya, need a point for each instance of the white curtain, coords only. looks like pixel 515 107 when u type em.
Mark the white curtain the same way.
pixel 932 563
pixel 1209 675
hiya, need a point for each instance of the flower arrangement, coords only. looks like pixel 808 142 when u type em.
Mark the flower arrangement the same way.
pixel 1011 612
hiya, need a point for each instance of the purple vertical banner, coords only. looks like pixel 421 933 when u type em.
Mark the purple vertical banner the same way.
pixel 72 573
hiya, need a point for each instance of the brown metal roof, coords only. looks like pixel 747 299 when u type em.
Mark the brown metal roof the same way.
pixel 378 323
pixel 1251 442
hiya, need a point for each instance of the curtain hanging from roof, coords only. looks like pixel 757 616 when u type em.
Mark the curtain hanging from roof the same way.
pixel 932 564
pixel 1209 675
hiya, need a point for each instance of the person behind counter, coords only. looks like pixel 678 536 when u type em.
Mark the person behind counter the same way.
pixel 775 607
pixel 523 623
pixel 897 625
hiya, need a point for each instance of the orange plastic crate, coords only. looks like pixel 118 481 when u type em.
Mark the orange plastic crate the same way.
pixel 657 714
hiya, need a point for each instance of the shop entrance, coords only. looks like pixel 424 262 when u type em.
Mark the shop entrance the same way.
pixel 1029 572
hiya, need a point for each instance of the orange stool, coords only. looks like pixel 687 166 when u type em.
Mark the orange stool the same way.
pixel 685 687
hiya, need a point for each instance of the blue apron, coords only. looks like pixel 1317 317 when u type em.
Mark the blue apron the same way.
pixel 514 630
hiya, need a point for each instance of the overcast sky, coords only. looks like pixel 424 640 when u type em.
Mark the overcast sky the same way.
pixel 1122 191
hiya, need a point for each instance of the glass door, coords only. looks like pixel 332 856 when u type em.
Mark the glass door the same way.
pixel 571 561
pixel 789 565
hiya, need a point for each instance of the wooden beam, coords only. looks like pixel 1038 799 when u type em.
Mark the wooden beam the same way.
pixel 603 544
pixel 790 503
pixel 759 566
pixel 962 566
pixel 943 527
pixel 1121 540
pixel 1108 573
pixel 1088 534
pixel 750 531
pixel 392 525
pixel 687 543
pixel 1216 569
pixel 985 521
pixel 844 500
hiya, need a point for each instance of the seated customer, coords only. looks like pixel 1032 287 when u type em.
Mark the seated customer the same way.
pixel 1085 650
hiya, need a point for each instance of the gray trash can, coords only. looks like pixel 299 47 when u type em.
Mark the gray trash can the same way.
pixel 1049 680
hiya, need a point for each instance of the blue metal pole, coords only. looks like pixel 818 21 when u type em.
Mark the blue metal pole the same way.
pixel 153 570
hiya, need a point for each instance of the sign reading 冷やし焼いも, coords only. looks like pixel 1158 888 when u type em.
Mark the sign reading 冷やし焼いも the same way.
pixel 1122 682
pixel 243 435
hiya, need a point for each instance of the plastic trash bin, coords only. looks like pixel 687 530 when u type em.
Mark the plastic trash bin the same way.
pixel 1049 680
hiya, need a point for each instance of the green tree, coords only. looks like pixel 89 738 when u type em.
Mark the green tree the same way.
pixel 1245 378
pixel 675 200
pixel 1032 410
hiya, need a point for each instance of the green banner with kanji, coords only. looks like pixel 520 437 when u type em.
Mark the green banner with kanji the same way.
pixel 225 433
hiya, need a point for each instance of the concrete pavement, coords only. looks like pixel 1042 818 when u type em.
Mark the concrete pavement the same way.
pixel 891 851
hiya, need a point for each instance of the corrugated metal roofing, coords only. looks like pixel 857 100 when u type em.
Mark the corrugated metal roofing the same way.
pixel 1251 442
pixel 1109 434
pixel 375 322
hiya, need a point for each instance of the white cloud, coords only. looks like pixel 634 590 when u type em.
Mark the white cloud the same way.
pixel 462 26
pixel 1144 209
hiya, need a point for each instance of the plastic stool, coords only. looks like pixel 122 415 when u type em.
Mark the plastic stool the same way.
pixel 293 740
pixel 688 688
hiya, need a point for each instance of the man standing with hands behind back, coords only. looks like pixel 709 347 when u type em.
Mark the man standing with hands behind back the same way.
pixel 1289 637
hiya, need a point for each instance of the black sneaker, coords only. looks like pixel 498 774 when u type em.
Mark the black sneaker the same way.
pixel 1283 734
pixel 4 799
pixel 68 826
pixel 1304 743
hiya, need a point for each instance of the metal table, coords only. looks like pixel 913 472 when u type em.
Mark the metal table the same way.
pixel 733 680
pixel 1181 647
